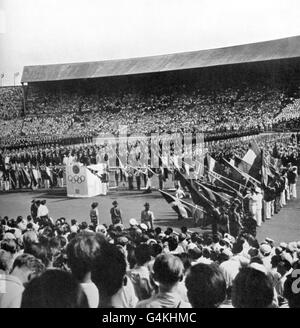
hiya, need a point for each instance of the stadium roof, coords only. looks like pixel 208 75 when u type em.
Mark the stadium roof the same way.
pixel 254 52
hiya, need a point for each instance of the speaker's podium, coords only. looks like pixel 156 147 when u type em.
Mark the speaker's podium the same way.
pixel 86 181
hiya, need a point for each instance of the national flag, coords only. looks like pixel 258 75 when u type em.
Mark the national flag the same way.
pixel 249 158
pixel 34 177
pixel 215 197
pixel 2 75
pixel 182 209
pixel 242 165
pixel 227 173
pixel 254 147
pixel 256 168
pixel 199 199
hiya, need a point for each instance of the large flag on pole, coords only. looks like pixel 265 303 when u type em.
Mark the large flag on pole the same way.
pixel 216 197
pixel 227 173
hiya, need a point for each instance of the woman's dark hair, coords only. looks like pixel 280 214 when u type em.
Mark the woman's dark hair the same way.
pixel 252 289
pixel 81 252
pixel 109 269
pixel 206 286
pixel 172 243
pixel 41 252
pixel 156 249
pixel 54 289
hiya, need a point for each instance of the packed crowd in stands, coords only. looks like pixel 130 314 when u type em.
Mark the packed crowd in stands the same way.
pixel 60 114
pixel 46 263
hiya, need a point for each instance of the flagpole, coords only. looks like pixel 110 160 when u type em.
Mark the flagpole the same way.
pixel 223 181
pixel 214 192
pixel 186 203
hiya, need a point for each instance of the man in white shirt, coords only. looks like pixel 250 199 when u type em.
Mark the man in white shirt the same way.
pixel 43 211
pixel 12 285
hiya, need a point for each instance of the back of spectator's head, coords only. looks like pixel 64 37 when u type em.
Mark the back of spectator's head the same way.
pixel 5 260
pixel 109 269
pixel 275 260
pixel 83 225
pixel 9 245
pixel 283 266
pixel 252 288
pixel 195 253
pixel 142 254
pixel 40 251
pixel 29 237
pixel 168 269
pixel 156 249
pixel 81 252
pixel 237 247
pixel 185 259
pixel 206 252
pixel 206 286
pixel 184 229
pixel 54 289
pixel 73 221
pixel 169 231
pixel 172 243
pixel 29 264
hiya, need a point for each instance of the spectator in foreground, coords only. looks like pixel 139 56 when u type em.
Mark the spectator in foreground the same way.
pixel 252 288
pixel 81 252
pixel 24 268
pixel 54 289
pixel 168 273
pixel 206 286
pixel 109 273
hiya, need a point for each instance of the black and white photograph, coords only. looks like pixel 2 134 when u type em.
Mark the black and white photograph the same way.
pixel 149 156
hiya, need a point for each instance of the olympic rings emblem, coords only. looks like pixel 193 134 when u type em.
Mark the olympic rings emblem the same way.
pixel 76 179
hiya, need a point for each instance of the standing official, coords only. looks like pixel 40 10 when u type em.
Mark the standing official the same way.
pixel 115 213
pixel 147 216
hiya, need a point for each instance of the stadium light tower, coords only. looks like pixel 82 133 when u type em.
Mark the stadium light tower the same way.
pixel 1 78
pixel 15 75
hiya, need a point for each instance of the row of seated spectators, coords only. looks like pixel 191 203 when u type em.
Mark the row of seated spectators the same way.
pixel 163 110
pixel 66 264
pixel 11 99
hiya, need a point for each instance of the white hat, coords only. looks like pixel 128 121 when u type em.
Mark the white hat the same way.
pixel 133 222
pixel 100 228
pixel 292 246
pixel 283 245
pixel 74 228
pixel 227 251
pixel 143 226
pixel 265 249
pixel 227 241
